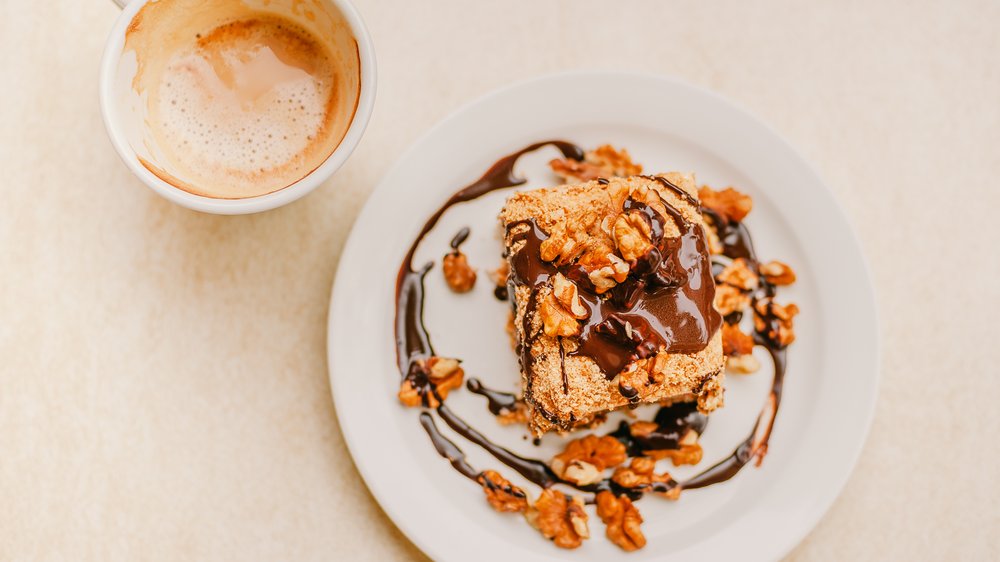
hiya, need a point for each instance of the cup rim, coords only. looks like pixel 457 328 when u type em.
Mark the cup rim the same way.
pixel 362 115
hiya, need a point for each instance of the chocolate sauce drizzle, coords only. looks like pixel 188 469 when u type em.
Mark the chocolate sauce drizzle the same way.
pixel 459 238
pixel 737 243
pixel 532 469
pixel 672 423
pixel 447 448
pixel 497 402
pixel 666 302
pixel 413 342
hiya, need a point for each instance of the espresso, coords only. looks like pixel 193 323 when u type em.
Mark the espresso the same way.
pixel 244 104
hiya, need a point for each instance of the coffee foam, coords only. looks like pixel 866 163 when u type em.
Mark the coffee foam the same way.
pixel 245 108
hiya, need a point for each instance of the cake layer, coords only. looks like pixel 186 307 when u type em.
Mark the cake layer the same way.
pixel 612 290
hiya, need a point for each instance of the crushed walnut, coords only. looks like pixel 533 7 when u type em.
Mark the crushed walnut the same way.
pixel 607 276
pixel 643 375
pixel 735 341
pixel 642 428
pixel 443 374
pixel 777 273
pixel 603 161
pixel 457 272
pixel 622 520
pixel 737 346
pixel 567 240
pixel 559 518
pixel 605 248
pixel 501 494
pixel 583 460
pixel 640 473
pixel 739 274
pixel 728 203
pixel 561 308
pixel 780 331
pixel 633 235
pixel 689 451
pixel 729 299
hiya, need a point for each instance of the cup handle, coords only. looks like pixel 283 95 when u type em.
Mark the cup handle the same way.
pixel 121 3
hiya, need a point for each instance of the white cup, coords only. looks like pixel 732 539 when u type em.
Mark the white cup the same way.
pixel 123 118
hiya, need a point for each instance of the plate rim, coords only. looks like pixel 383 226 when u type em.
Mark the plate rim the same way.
pixel 352 242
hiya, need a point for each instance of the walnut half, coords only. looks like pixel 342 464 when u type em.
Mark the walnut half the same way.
pixel 729 299
pixel 777 273
pixel 737 346
pixel 739 274
pixel 633 235
pixel 584 460
pixel 501 494
pixel 457 272
pixel 603 161
pixel 781 330
pixel 441 374
pixel 729 203
pixel 622 519
pixel 640 473
pixel 688 452
pixel 561 308
pixel 559 518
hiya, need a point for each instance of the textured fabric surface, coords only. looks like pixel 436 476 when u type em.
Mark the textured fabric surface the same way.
pixel 163 374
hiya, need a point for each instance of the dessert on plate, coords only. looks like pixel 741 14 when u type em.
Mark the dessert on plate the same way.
pixel 611 281
pixel 627 292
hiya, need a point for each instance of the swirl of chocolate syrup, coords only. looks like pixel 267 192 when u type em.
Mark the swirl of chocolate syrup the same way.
pixel 498 402
pixel 414 346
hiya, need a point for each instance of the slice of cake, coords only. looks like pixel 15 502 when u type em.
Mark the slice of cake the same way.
pixel 612 290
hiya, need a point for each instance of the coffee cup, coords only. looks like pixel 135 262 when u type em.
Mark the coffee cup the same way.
pixel 236 106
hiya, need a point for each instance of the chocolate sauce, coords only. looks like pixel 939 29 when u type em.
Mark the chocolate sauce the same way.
pixel 534 470
pixel 633 494
pixel 459 238
pixel 498 402
pixel 734 236
pixel 737 243
pixel 661 271
pixel 562 366
pixel 630 393
pixel 755 445
pixel 413 342
pixel 446 448
pixel 672 423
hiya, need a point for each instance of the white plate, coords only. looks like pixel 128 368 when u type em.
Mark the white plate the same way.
pixel 831 383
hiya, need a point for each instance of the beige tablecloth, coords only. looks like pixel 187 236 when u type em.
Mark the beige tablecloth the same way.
pixel 163 385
